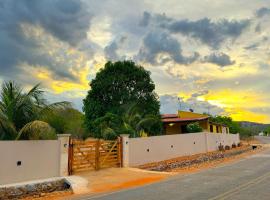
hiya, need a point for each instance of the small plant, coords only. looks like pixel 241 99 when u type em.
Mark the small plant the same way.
pixel 194 128
pixel 221 147
pixel 233 145
pixel 227 147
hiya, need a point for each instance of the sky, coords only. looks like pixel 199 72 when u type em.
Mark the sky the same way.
pixel 208 55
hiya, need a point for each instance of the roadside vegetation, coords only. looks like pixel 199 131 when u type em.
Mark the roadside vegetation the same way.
pixel 22 113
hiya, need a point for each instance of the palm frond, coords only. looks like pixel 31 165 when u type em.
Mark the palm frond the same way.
pixel 7 129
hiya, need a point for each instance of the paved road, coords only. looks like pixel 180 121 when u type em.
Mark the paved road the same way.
pixel 245 179
pixel 263 139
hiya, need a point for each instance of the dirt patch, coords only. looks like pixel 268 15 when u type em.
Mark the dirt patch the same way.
pixel 112 179
pixel 128 184
pixel 195 162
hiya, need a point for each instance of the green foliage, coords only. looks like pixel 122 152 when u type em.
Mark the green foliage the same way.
pixel 245 133
pixel 233 126
pixel 117 85
pixel 19 108
pixel 194 128
pixel 131 122
pixel 68 120
pixel 267 131
pixel 107 127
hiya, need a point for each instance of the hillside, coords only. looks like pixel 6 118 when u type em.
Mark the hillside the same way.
pixel 257 127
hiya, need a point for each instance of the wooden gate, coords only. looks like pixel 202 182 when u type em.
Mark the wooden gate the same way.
pixel 94 155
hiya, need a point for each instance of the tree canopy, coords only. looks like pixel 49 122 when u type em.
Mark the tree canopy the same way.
pixel 115 87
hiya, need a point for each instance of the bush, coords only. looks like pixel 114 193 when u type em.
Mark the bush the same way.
pixel 233 145
pixel 227 147
pixel 221 147
pixel 194 128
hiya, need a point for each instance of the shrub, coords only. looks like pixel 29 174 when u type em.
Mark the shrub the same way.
pixel 221 147
pixel 227 147
pixel 194 128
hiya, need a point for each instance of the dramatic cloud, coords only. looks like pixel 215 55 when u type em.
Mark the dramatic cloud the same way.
pixel 209 32
pixel 111 50
pixel 27 24
pixel 197 50
pixel 170 104
pixel 160 47
pixel 220 59
pixel 263 12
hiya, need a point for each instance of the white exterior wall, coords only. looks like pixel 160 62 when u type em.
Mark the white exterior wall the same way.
pixel 39 159
pixel 158 148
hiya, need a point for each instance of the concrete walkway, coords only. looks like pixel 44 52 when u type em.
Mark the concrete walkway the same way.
pixel 112 179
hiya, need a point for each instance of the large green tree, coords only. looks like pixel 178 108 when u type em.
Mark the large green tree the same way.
pixel 21 112
pixel 117 85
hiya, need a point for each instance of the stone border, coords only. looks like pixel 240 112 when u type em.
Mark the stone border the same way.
pixel 190 161
pixel 34 190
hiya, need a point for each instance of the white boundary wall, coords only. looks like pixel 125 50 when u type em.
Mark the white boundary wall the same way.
pixel 138 151
pixel 30 160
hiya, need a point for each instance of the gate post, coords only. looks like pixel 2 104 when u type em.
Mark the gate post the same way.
pixel 125 150
pixel 64 154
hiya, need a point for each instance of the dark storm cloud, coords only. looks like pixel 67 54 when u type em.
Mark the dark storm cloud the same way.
pixel 210 33
pixel 110 51
pixel 220 59
pixel 157 43
pixel 66 20
pixel 262 12
pixel 145 19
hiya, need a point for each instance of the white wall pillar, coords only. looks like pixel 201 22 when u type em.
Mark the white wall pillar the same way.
pixel 125 149
pixel 64 146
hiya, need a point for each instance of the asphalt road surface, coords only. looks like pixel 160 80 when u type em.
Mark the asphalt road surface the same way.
pixel 263 139
pixel 245 179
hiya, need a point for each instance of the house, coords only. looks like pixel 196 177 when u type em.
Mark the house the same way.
pixel 177 123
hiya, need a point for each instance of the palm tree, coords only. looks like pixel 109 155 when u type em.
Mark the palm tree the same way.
pixel 136 123
pixel 21 112
pixel 132 122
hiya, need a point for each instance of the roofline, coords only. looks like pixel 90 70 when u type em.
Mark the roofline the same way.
pixel 187 120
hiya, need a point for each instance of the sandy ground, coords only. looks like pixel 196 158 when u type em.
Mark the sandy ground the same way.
pixel 119 178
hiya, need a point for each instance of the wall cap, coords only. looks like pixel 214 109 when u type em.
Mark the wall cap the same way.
pixel 124 135
pixel 63 135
